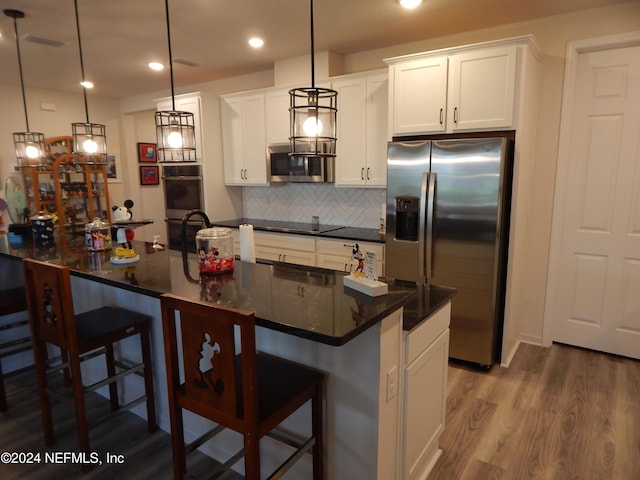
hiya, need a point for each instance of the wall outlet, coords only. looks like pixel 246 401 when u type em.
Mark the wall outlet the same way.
pixel 392 383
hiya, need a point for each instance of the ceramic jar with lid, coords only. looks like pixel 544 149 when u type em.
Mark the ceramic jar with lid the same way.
pixel 97 235
pixel 42 227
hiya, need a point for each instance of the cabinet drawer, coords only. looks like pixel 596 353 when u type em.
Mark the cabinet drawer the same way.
pixel 344 247
pixel 282 241
pixel 419 339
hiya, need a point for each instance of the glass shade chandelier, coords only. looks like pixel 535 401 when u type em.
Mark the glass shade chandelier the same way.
pixel 175 131
pixel 313 116
pixel 89 139
pixel 29 145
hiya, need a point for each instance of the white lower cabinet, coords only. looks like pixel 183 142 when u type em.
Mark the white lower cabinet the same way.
pixel 336 254
pixel 279 247
pixel 425 389
pixel 333 254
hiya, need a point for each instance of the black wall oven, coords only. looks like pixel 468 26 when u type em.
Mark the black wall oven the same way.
pixel 183 192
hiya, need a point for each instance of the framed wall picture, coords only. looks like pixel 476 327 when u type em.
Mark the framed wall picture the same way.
pixel 149 175
pixel 113 168
pixel 147 153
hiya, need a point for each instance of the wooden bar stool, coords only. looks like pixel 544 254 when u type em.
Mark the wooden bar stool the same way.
pixel 81 337
pixel 248 392
pixel 12 301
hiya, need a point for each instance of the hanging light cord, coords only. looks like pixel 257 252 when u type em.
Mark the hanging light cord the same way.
pixel 173 101
pixel 15 15
pixel 84 89
pixel 313 63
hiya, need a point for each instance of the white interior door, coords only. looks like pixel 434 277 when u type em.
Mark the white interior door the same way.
pixel 594 276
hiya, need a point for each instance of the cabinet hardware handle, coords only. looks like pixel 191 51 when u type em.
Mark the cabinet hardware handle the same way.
pixel 347 245
pixel 441 116
pixel 345 267
pixel 302 292
pixel 455 115
pixel 298 290
pixel 362 173
pixel 279 257
pixel 284 257
pixel 368 178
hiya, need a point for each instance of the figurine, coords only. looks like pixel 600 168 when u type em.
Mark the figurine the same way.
pixel 358 255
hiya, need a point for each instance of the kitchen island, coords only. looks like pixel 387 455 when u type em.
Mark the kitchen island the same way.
pixel 381 364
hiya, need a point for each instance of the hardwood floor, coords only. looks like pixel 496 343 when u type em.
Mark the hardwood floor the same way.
pixel 146 455
pixel 556 414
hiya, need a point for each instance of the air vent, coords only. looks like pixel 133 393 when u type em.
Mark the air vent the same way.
pixel 43 41
pixel 183 61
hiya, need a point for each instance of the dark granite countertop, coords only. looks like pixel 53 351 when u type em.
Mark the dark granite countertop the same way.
pixel 309 302
pixel 328 231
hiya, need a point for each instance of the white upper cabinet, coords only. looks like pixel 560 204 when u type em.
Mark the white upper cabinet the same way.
pixel 187 103
pixel 361 149
pixel 244 139
pixel 482 89
pixel 463 90
pixel 418 95
pixel 277 116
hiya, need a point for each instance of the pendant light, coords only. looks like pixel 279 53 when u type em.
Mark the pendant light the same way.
pixel 29 145
pixel 175 131
pixel 313 116
pixel 89 139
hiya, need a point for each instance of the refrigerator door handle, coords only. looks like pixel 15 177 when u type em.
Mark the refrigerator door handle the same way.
pixel 430 206
pixel 422 228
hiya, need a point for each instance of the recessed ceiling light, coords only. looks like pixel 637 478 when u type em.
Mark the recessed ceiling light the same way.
pixel 157 66
pixel 256 42
pixel 87 84
pixel 408 4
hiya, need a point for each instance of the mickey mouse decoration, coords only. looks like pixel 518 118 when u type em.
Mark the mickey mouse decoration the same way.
pixel 124 213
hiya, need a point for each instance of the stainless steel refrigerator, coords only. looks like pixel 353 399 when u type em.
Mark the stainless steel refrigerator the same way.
pixel 448 203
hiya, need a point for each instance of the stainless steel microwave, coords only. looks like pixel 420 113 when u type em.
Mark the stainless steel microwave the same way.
pixel 285 168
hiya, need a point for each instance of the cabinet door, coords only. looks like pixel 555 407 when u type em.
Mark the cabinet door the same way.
pixel 419 96
pixel 377 120
pixel 351 147
pixel 425 405
pixel 243 140
pixel 482 91
pixel 335 262
pixel 254 140
pixel 277 116
pixel 232 138
pixel 299 257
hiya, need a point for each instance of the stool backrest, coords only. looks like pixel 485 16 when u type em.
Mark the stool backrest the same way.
pixel 216 383
pixel 50 303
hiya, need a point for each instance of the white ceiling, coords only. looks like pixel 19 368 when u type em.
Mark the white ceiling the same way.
pixel 120 36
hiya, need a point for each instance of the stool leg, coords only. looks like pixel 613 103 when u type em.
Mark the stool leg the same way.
pixel 111 371
pixel 3 395
pixel 177 438
pixel 78 400
pixel 252 456
pixel 145 344
pixel 41 364
pixel 317 429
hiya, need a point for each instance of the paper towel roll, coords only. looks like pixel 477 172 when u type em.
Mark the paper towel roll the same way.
pixel 247 245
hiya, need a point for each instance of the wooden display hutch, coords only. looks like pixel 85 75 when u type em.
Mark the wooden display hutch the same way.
pixel 75 191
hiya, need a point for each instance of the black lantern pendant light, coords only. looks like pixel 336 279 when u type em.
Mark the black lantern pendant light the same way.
pixel 29 145
pixel 313 116
pixel 89 139
pixel 175 131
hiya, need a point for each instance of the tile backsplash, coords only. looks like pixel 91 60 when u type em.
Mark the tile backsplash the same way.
pixel 298 202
